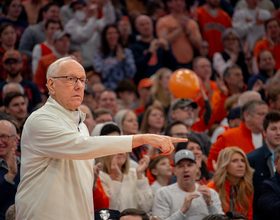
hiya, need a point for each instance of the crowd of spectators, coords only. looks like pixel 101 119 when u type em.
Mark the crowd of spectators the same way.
pixel 230 166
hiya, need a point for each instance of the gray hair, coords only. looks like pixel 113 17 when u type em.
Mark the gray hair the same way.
pixel 250 107
pixel 276 154
pixel 15 87
pixel 270 81
pixel 227 32
pixel 247 96
pixel 54 68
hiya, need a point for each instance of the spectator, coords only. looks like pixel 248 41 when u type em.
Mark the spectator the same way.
pixel 263 4
pixel 129 214
pixel 185 199
pixel 102 115
pixel 249 131
pixel 150 54
pixel 12 64
pixel 203 50
pixel 232 55
pixel 61 41
pixel 114 62
pixel 273 99
pixel 85 28
pixel 89 98
pixel 89 121
pixel 35 34
pixel 33 9
pixel 249 22
pixel 92 76
pixel 155 10
pixel 108 100
pixel 126 91
pixel 267 70
pixel 181 32
pixel 8 40
pixel 97 88
pixel 9 166
pixel 46 47
pixel 154 120
pixel 12 10
pixel 261 160
pixel 233 181
pixel 15 105
pixel 183 110
pixel 271 42
pixel 213 21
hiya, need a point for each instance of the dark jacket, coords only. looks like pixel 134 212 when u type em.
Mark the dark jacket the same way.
pixel 269 201
pixel 260 161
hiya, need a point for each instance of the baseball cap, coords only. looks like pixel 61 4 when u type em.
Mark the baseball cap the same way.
pixel 77 2
pixel 184 154
pixel 182 103
pixel 59 34
pixel 12 54
pixel 144 83
pixel 234 113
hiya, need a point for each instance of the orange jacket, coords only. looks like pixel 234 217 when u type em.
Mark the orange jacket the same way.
pixel 263 45
pixel 236 137
pixel 100 199
pixel 41 71
pixel 249 215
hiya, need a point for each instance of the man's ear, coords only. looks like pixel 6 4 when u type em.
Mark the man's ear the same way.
pixel 51 86
pixel 246 115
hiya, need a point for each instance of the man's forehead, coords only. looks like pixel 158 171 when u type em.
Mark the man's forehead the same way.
pixel 71 68
pixel 6 127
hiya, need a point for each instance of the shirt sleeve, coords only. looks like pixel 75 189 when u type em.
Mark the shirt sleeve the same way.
pixel 216 207
pixel 144 195
pixel 219 63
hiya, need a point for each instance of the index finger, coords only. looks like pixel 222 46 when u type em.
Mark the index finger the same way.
pixel 177 140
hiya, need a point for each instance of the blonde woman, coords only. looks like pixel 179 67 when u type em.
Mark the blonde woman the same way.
pixel 233 181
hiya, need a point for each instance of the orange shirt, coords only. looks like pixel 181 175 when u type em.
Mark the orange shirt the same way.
pixel 212 28
pixel 263 45
pixel 100 199
pixel 181 47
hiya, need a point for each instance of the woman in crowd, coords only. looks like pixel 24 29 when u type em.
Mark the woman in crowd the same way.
pixel 12 10
pixel 233 181
pixel 112 60
pixel 233 55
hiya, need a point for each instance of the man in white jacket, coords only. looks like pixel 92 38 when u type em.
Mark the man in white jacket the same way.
pixel 57 151
pixel 85 29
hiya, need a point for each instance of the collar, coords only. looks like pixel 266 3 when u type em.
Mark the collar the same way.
pixel 4 164
pixel 263 72
pixel 266 151
pixel 245 130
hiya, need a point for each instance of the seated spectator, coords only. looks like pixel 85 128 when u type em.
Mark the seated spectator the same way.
pixel 233 55
pixel 102 115
pixel 181 32
pixel 150 54
pixel 9 166
pixel 268 202
pixel 111 60
pixel 8 41
pixel 129 214
pixel 108 100
pixel 85 28
pixel 15 105
pixel 126 91
pixel 161 170
pixel 12 10
pixel 249 22
pixel 185 199
pixel 125 187
pixel 46 47
pixel 273 98
pixel 154 120
pixel 89 121
pixel 249 132
pixel 33 9
pixel 233 181
pixel 61 42
pixel 267 70
pixel 271 42
pixel 12 64
pixel 34 34
pixel 213 21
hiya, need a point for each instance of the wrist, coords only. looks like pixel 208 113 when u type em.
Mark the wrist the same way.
pixel 10 176
pixel 210 203
pixel 139 175
pixel 184 210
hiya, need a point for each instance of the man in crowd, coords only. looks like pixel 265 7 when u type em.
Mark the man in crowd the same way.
pixel 248 136
pixel 59 126
pixel 108 100
pixel 102 115
pixel 186 199
pixel 181 32
pixel 150 54
pixel 247 96
pixel 35 34
pixel 12 63
pixel 133 214
pixel 261 159
pixel 9 166
pixel 273 98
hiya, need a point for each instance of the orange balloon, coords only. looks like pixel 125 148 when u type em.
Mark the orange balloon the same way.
pixel 184 84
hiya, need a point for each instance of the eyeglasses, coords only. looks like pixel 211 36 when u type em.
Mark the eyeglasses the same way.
pixel 71 80
pixel 180 135
pixel 5 138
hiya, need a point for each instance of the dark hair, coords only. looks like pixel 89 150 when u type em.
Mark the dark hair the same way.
pixel 230 216
pixel 10 96
pixel 227 71
pixel 152 6
pixel 154 162
pixel 6 6
pixel 104 44
pixel 51 21
pixel 261 52
pixel 102 111
pixel 109 128
pixel 250 107
pixel 126 85
pixel 273 116
pixel 273 94
pixel 47 6
pixel 169 127
pixel 269 20
pixel 4 25
pixel 136 212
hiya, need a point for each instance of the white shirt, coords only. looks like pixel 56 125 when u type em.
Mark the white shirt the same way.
pixel 57 164
pixel 257 140
pixel 155 186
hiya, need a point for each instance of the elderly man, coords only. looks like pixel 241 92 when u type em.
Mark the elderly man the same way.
pixel 9 166
pixel 186 199
pixel 57 151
